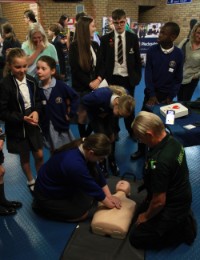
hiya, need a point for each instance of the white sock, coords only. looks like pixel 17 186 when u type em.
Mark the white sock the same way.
pixel 31 182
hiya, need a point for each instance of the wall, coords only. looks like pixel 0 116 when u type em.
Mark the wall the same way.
pixel 14 13
pixel 179 13
pixel 50 12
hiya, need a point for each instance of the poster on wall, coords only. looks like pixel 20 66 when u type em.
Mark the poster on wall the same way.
pixel 147 34
pixel 178 2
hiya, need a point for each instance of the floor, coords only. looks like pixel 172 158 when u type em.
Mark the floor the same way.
pixel 27 236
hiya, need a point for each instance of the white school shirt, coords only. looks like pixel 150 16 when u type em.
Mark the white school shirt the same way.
pixel 24 91
pixel 120 69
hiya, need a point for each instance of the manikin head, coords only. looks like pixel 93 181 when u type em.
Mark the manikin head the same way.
pixel 124 186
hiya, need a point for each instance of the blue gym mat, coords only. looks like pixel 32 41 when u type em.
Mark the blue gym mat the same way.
pixel 26 235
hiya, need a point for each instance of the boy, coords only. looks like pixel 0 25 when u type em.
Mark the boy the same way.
pixel 163 72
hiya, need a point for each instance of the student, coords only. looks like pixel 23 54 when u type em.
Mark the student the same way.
pixel 29 17
pixel 6 207
pixel 54 33
pixel 63 23
pixel 59 104
pixel 86 63
pixel 103 105
pixel 166 218
pixel 96 37
pixel 69 181
pixel 163 72
pixel 121 55
pixel 9 39
pixel 19 108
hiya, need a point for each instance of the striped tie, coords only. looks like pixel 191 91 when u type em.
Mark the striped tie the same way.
pixel 120 50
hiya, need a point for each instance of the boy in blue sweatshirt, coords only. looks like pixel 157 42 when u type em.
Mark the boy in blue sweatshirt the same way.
pixel 163 72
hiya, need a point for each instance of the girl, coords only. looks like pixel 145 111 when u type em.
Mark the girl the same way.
pixel 59 104
pixel 70 180
pixel 19 108
pixel 86 63
pixel 103 105
pixel 9 39
pixel 54 34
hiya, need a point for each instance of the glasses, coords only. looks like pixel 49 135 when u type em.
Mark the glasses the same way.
pixel 119 23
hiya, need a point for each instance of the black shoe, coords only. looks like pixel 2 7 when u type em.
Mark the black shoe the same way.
pixel 7 211
pixel 114 168
pixel 11 204
pixel 190 229
pixel 136 155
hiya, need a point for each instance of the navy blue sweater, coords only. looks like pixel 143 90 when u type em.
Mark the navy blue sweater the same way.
pixel 55 108
pixel 97 102
pixel 163 72
pixel 65 173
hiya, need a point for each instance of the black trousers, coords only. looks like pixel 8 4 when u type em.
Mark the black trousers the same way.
pixel 186 90
pixel 158 233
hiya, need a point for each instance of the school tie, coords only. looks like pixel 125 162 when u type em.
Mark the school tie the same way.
pixel 120 50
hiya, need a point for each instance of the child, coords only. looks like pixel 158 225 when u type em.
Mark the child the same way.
pixel 103 105
pixel 69 182
pixel 59 103
pixel 10 39
pixel 163 73
pixel 54 34
pixel 19 107
pixel 6 207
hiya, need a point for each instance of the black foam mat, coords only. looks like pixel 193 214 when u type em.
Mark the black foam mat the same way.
pixel 85 245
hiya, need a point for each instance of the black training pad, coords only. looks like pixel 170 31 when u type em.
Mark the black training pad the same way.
pixel 85 245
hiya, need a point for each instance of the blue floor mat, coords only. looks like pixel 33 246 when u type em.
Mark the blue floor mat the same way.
pixel 26 235
pixel 185 252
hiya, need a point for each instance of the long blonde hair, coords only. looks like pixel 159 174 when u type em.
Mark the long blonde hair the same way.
pixel 34 28
pixel 192 36
pixel 126 103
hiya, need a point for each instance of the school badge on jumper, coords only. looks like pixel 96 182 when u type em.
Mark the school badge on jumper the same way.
pixel 58 100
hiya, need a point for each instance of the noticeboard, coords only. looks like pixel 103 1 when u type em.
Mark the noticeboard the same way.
pixel 171 2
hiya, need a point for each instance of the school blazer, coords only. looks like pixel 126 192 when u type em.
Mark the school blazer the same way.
pixel 133 59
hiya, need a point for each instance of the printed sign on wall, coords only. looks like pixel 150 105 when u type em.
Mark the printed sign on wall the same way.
pixel 178 2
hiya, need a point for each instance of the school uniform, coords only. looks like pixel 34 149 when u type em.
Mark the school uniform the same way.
pixel 13 108
pixel 100 110
pixel 98 104
pixel 55 126
pixel 128 74
pixel 65 187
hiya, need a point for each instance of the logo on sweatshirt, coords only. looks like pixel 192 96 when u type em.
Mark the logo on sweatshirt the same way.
pixel 58 100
